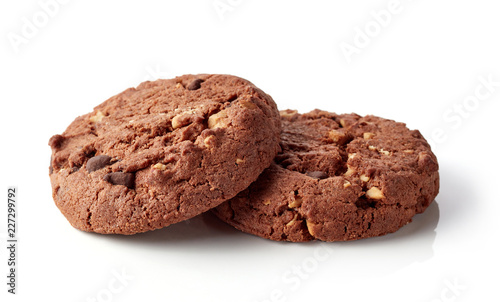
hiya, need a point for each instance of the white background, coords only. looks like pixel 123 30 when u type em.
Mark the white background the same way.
pixel 419 67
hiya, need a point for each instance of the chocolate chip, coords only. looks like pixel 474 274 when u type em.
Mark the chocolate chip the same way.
pixel 50 167
pixel 196 84
pixel 364 203
pixel 56 141
pixel 120 178
pixel 98 162
pixel 317 174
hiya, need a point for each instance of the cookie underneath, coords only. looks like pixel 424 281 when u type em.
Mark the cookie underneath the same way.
pixel 162 153
pixel 337 178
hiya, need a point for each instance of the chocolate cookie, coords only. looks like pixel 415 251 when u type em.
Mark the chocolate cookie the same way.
pixel 338 178
pixel 162 152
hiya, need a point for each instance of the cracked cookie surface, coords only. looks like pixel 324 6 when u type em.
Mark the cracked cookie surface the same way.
pixel 337 178
pixel 162 153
